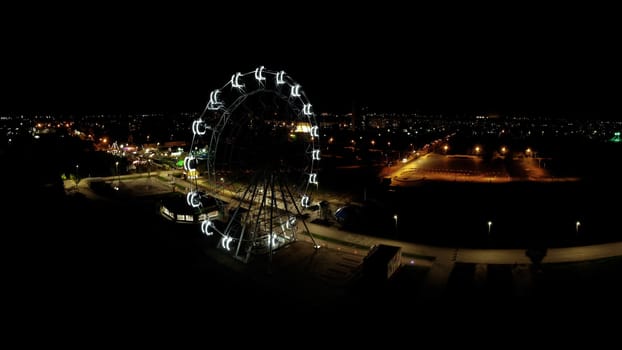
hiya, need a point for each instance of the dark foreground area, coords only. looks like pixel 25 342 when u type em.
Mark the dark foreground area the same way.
pixel 89 260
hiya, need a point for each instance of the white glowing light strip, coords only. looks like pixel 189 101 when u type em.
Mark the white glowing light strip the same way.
pixel 188 163
pixel 213 103
pixel 315 130
pixel 235 81
pixel 305 201
pixel 315 154
pixel 196 127
pixel 313 178
pixel 306 109
pixel 295 91
pixel 272 238
pixel 279 78
pixel 226 242
pixel 205 225
pixel 259 74
pixel 193 199
pixel 291 222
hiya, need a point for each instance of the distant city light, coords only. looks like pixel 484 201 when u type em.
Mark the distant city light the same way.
pixel 303 127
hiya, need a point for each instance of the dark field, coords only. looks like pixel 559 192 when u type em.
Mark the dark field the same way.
pixel 522 213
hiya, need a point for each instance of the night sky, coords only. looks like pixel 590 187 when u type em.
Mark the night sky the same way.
pixel 554 62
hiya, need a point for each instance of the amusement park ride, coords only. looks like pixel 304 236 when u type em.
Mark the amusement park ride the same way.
pixel 257 146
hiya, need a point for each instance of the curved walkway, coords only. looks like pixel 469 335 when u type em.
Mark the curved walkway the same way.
pixel 440 260
pixel 333 236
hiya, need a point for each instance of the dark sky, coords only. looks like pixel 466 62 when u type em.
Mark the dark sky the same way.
pixel 539 62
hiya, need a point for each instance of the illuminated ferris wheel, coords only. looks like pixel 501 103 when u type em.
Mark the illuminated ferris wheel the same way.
pixel 255 151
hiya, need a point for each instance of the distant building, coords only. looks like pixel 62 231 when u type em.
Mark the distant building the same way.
pixel 177 209
pixel 170 144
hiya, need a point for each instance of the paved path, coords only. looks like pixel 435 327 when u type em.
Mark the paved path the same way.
pixel 440 259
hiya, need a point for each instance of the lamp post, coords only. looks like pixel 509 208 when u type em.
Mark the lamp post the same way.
pixel 395 218
pixel 118 175
pixel 489 226
pixel 77 176
pixel 577 224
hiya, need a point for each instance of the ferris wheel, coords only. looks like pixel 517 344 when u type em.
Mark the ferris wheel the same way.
pixel 255 151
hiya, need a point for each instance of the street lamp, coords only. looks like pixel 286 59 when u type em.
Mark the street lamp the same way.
pixel 577 224
pixel 77 175
pixel 489 226
pixel 118 175
pixel 395 217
